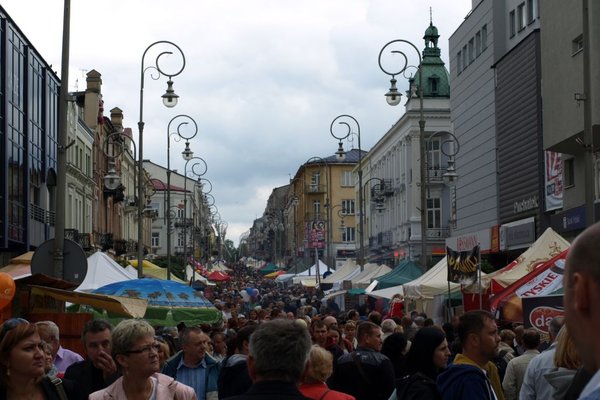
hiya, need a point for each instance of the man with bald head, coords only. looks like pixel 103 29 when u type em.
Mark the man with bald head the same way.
pixel 582 303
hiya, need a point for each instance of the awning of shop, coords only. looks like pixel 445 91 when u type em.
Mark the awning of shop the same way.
pixel 134 308
pixel 334 294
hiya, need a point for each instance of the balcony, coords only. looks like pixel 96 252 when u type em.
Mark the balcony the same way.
pixel 438 233
pixel 315 217
pixel 314 188
pixel 183 223
pixel 436 175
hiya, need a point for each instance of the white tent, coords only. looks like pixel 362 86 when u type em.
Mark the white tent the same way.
pixel 388 293
pixel 103 270
pixel 373 271
pixel 348 267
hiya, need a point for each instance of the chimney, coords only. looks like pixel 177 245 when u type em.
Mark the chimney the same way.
pixel 116 117
pixel 93 106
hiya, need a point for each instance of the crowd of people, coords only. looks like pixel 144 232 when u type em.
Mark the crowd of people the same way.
pixel 287 344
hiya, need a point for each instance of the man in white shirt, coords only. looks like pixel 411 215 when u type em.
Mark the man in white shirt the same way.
pixel 582 303
pixel 515 371
pixel 533 387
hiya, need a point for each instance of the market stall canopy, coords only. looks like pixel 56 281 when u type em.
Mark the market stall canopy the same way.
pixel 547 246
pixel 432 283
pixel 404 272
pixel 102 270
pixel 275 274
pixel 388 292
pixel 125 306
pixel 19 268
pixel 542 281
pixel 267 269
pixel 218 276
pixel 168 302
pixel 154 271
pixel 371 271
pixel 298 267
pixel 344 270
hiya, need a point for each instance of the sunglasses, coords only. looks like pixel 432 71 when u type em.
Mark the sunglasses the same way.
pixel 9 325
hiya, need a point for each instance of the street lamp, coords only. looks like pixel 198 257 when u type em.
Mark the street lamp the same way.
pixel 341 155
pixel 187 154
pixel 450 148
pixel 169 100
pixel 393 99
pixel 198 169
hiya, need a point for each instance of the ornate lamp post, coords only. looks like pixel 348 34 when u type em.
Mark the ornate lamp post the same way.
pixel 348 121
pixel 393 98
pixel 198 169
pixel 186 154
pixel 169 100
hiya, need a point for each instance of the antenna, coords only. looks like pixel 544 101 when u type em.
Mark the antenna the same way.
pixel 430 16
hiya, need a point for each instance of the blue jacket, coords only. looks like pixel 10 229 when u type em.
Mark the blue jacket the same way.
pixel 461 381
pixel 212 370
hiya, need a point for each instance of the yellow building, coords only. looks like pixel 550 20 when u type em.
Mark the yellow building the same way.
pixel 321 210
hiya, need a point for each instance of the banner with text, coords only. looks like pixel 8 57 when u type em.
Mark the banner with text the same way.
pixel 462 265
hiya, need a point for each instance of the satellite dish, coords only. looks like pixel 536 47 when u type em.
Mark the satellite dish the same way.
pixel 74 262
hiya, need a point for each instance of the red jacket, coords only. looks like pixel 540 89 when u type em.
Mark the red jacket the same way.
pixel 320 391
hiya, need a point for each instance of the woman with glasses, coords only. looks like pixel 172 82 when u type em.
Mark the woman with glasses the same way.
pixel 22 365
pixel 135 352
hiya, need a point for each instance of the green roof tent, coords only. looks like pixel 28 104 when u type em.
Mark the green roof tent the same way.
pixel 404 272
pixel 268 269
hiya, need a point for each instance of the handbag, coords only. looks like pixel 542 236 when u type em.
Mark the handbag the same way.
pixel 59 388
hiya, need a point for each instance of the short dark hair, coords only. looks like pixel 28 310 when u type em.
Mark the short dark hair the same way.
pixel 244 336
pixel 185 336
pixel 472 322
pixel 364 329
pixel 95 326
pixel 531 339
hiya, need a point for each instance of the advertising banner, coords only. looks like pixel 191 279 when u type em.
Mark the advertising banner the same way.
pixel 315 232
pixel 462 265
pixel 553 181
pixel 539 311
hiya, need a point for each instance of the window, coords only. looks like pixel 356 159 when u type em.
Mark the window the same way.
pixel 315 180
pixel 434 155
pixel 317 208
pixel 531 11
pixel 180 240
pixel 577 45
pixel 464 54
pixel 458 63
pixel 471 51
pixel 434 213
pixel 483 37
pixel 512 22
pixel 181 212
pixel 477 44
pixel 569 172
pixel 348 234
pixel 521 16
pixel 347 178
pixel 348 207
pixel 155 239
pixel 434 84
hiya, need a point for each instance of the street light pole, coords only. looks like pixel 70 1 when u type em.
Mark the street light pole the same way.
pixel 187 154
pixel 393 99
pixel 198 163
pixel 340 154
pixel 169 100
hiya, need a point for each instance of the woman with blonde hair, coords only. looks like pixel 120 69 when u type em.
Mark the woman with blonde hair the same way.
pixel 22 365
pixel 567 361
pixel 135 351
pixel 320 368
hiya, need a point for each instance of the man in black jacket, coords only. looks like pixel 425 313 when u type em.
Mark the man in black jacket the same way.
pixel 234 378
pixel 98 370
pixel 365 373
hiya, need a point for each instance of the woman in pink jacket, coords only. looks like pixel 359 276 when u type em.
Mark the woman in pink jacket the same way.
pixel 136 354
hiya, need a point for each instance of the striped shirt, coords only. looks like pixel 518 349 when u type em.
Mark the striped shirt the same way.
pixel 194 377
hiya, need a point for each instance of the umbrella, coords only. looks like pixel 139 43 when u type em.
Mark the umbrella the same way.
pixel 274 275
pixel 168 302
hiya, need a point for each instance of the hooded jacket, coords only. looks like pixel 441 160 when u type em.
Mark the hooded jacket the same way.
pixel 466 380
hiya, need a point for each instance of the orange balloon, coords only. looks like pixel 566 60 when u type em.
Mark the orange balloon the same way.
pixel 7 289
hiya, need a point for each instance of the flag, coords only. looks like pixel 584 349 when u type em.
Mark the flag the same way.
pixel 462 265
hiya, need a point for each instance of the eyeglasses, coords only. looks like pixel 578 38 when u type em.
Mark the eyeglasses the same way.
pixel 146 349
pixel 10 324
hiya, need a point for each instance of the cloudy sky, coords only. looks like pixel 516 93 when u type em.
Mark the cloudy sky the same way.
pixel 263 78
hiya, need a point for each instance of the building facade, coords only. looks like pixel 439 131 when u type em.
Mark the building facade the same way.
pixel 570 53
pixel 392 170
